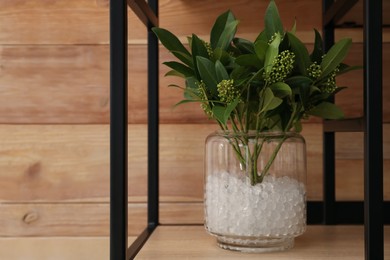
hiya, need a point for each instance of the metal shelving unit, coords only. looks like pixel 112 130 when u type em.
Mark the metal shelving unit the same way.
pixel 147 13
pixel 329 211
pixel 370 124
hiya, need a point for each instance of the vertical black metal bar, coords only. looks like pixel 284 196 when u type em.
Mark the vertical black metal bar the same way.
pixel 373 148
pixel 153 124
pixel 329 179
pixel 118 130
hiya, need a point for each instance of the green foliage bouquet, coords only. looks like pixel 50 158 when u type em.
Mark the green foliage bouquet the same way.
pixel 270 84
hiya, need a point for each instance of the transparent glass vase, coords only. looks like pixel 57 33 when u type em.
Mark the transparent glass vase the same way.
pixel 255 189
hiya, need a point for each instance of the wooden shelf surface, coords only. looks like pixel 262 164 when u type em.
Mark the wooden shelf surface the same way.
pixel 319 242
pixel 191 242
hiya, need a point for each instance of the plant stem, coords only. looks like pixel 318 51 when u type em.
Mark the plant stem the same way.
pixel 264 172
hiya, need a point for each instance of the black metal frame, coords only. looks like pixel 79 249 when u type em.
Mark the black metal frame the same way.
pixel 147 13
pixel 370 124
pixel 118 130
pixel 329 211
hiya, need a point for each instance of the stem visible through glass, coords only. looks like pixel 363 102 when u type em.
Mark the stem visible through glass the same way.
pixel 249 161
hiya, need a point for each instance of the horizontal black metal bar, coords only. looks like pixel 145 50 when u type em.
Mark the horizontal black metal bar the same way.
pixel 345 212
pixel 144 12
pixel 355 25
pixel 136 246
pixel 337 10
pixel 344 125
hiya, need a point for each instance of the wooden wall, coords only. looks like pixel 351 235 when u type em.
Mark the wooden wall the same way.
pixel 54 115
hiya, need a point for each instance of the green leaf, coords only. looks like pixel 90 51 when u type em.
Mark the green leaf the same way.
pixel 298 126
pixel 221 71
pixel 189 93
pixel 335 56
pixel 198 49
pixel 261 50
pixel 185 101
pixel 294 28
pixel 219 28
pixel 180 68
pixel 300 85
pixel 227 35
pixel 245 46
pixel 318 50
pixel 298 81
pixel 219 114
pixel 326 110
pixel 192 85
pixel 343 68
pixel 229 109
pixel 186 59
pixel 192 82
pixel 281 89
pixel 262 37
pixel 314 90
pixel 173 44
pixel 304 94
pixel 222 113
pixel 249 60
pixel 208 74
pixel 273 24
pixel 268 101
pixel 221 55
pixel 174 73
pixel 271 53
pixel 302 58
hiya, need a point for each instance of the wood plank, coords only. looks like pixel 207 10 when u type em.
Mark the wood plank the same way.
pixel 65 219
pixel 69 85
pixel 198 17
pixel 319 242
pixel 59 248
pixel 87 21
pixel 70 163
pixel 355 14
pixel 317 237
pixel 59 22
pixel 187 213
pixel 54 84
pixel 350 145
pixel 85 219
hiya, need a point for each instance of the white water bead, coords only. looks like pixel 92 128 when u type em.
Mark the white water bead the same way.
pixel 272 208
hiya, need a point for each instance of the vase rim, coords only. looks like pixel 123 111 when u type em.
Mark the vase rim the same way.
pixel 255 132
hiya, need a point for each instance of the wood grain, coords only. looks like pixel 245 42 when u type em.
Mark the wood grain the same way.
pixel 65 219
pixel 87 21
pixel 355 14
pixel 86 219
pixel 319 242
pixel 60 22
pixel 70 163
pixel 54 111
pixel 59 248
pixel 70 85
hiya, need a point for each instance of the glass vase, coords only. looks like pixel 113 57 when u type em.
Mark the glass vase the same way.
pixel 255 189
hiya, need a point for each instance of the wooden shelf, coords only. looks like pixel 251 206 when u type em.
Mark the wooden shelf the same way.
pixel 192 242
pixel 319 242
